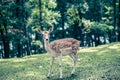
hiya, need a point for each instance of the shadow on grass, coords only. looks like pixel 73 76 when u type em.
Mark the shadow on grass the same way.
pixel 65 78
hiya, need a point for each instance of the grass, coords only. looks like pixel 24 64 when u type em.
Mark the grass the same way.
pixel 94 63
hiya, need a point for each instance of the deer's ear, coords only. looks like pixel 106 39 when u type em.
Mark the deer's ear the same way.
pixel 40 31
pixel 51 29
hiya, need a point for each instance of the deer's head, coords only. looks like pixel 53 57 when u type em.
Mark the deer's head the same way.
pixel 46 34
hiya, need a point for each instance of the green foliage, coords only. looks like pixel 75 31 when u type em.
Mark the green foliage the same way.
pixel 37 42
pixel 96 27
pixel 100 28
pixel 73 12
pixel 80 19
pixel 72 15
pixel 48 13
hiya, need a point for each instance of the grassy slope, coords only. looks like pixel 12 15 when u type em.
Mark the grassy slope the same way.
pixel 98 63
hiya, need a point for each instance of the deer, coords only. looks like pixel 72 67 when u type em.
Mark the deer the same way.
pixel 59 48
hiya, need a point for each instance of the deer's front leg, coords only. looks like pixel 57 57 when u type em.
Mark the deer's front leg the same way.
pixel 51 63
pixel 60 67
pixel 74 57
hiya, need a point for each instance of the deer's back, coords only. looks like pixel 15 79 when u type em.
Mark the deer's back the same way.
pixel 65 43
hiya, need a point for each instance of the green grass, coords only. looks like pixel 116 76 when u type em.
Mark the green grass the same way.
pixel 95 63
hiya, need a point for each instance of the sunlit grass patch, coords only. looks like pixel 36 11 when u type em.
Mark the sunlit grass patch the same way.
pixel 88 50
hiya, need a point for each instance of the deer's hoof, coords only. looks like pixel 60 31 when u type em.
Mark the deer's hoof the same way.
pixel 48 77
pixel 72 75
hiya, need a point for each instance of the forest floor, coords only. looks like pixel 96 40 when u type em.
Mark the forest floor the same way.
pixel 94 63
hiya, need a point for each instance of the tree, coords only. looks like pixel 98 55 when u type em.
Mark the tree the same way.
pixel 42 15
pixel 75 14
pixel 119 20
pixel 92 22
pixel 115 20
pixel 25 26
pixel 4 26
pixel 62 8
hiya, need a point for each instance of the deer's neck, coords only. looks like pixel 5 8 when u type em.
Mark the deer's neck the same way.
pixel 46 45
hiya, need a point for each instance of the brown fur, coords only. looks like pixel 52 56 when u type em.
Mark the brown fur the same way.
pixel 57 45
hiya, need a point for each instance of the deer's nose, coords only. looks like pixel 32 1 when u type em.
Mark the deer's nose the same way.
pixel 47 39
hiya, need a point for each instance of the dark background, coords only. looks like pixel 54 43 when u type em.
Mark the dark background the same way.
pixel 93 22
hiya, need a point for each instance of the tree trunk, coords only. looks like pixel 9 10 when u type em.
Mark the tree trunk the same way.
pixel 119 23
pixel 24 19
pixel 27 41
pixel 4 38
pixel 62 22
pixel 100 15
pixel 19 48
pixel 40 14
pixel 99 40
pixel 20 17
pixel 93 41
pixel 114 24
pixel 104 38
pixel 96 40
pixel 101 9
pixel 6 49
pixel 82 27
pixel 5 41
pixel 5 46
pixel 1 49
pixel 76 30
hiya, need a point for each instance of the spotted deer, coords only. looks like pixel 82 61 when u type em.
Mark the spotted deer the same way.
pixel 59 48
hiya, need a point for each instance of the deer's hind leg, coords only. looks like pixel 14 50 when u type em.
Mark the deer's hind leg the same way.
pixel 74 57
pixel 60 66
